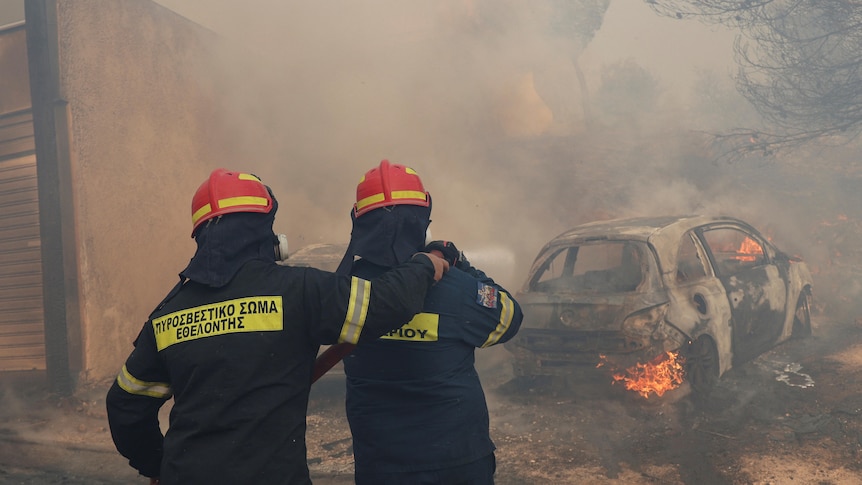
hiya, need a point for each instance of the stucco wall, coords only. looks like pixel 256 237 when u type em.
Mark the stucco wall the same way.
pixel 145 131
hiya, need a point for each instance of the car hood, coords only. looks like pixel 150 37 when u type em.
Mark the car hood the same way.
pixel 583 312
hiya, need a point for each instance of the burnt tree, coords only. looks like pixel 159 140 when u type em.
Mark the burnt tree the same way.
pixel 800 65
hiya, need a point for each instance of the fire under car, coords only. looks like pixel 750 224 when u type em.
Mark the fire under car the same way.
pixel 650 303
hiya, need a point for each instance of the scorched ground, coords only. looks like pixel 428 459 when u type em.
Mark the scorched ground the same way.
pixel 793 415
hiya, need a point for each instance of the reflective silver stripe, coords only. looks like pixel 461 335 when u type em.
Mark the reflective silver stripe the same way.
pixel 357 310
pixel 506 315
pixel 132 385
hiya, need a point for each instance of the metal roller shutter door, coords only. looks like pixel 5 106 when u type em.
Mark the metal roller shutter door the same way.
pixel 22 331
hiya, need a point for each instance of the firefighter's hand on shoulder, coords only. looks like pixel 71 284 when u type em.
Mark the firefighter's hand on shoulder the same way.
pixel 446 250
pixel 441 266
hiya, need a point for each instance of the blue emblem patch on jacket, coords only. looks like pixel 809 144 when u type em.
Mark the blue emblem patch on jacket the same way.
pixel 487 295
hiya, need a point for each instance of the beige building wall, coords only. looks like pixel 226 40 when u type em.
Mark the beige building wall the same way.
pixel 146 129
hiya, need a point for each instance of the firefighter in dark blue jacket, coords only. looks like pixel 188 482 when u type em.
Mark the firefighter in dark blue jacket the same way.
pixel 234 344
pixel 415 404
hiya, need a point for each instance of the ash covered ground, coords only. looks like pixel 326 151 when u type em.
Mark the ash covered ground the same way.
pixel 793 415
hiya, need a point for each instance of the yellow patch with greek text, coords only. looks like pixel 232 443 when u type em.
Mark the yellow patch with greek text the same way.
pixel 423 328
pixel 252 314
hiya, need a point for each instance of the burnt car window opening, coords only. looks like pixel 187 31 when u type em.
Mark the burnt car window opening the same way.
pixel 733 250
pixel 690 265
pixel 554 267
pixel 602 266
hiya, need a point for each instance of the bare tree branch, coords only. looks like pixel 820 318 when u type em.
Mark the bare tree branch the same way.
pixel 800 66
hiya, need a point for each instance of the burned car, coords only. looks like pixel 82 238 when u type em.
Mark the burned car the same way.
pixel 323 256
pixel 654 302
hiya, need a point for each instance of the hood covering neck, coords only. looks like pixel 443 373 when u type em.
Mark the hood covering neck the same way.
pixel 226 243
pixel 387 236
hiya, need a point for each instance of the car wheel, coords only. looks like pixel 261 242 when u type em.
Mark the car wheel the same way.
pixel 702 366
pixel 802 316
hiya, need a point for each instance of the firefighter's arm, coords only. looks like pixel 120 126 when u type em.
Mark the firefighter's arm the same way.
pixel 133 404
pixel 366 309
pixel 490 315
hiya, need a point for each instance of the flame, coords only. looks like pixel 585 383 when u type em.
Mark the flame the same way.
pixel 662 374
pixel 749 250
pixel 601 363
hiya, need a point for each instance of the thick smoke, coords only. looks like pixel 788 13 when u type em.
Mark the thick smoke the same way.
pixel 482 98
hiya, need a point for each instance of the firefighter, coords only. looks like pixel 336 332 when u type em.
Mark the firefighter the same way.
pixel 414 403
pixel 234 344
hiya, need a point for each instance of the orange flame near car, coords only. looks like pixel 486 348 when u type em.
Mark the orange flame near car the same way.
pixel 749 250
pixel 662 374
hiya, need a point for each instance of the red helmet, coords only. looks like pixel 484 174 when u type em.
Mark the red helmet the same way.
pixel 226 191
pixel 389 184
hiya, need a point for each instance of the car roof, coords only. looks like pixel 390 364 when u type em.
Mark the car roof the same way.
pixel 650 229
pixel 322 256
pixel 641 228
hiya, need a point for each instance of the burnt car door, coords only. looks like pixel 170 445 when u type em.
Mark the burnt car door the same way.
pixel 755 288
pixel 701 303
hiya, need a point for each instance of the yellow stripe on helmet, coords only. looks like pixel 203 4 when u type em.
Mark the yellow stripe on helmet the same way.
pixel 408 194
pixel 200 213
pixel 243 200
pixel 368 201
pixel 396 195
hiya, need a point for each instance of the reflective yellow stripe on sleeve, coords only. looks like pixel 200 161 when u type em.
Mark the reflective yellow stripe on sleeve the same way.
pixel 357 310
pixel 133 385
pixel 506 315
